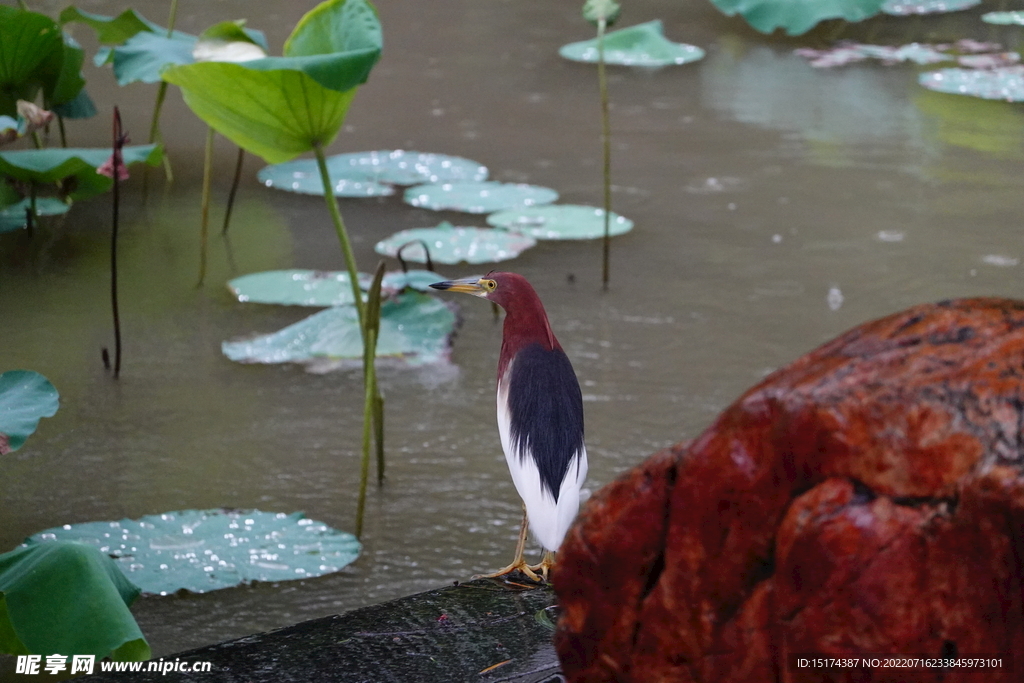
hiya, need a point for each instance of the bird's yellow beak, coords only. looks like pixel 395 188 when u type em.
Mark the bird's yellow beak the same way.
pixel 469 285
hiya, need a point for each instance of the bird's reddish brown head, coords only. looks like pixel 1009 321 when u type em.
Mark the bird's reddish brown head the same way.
pixel 526 322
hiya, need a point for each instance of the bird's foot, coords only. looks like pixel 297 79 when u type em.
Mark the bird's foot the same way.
pixel 545 565
pixel 520 566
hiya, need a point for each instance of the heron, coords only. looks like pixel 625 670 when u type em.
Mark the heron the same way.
pixel 540 416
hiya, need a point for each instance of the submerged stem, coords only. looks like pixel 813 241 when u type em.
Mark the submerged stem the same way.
pixel 204 225
pixel 234 190
pixel 606 141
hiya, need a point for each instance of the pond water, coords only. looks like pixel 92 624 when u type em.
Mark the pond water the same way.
pixel 776 206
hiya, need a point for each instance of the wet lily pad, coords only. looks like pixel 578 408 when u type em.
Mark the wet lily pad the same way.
pixel 560 222
pixel 1004 18
pixel 12 217
pixel 414 328
pixel 371 174
pixel 907 7
pixel 318 287
pixel 25 398
pixel 485 197
pixel 205 550
pixel 1006 83
pixel 640 45
pixel 451 244
pixel 797 16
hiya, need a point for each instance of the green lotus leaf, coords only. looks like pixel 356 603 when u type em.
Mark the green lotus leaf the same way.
pixel 371 174
pixel 111 30
pixel 560 222
pixel 56 164
pixel 205 550
pixel 483 197
pixel 144 56
pixel 67 598
pixel 419 280
pixel 1006 83
pixel 80 107
pixel 13 217
pixel 25 397
pixel 70 80
pixel 318 287
pixel 414 328
pixel 450 244
pixel 279 107
pixel 797 16
pixel 31 56
pixel 640 45
pixel 1005 18
pixel 902 8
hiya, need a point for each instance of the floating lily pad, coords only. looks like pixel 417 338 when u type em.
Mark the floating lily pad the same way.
pixel 414 328
pixel 797 16
pixel 450 244
pixel 205 550
pixel 371 174
pixel 12 217
pixel 560 222
pixel 640 45
pixel 1004 18
pixel 1006 83
pixel 907 7
pixel 485 197
pixel 25 397
pixel 319 287
pixel 67 597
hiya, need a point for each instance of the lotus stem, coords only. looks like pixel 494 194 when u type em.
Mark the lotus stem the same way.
pixel 606 142
pixel 172 18
pixel 118 143
pixel 234 190
pixel 204 224
pixel 63 133
pixel 154 128
pixel 339 227
pixel 378 425
pixel 372 398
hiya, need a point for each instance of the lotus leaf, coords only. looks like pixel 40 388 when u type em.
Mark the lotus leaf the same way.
pixel 907 7
pixel 640 45
pixel 318 287
pixel 25 397
pixel 371 174
pixel 560 222
pixel 111 30
pixel 31 56
pixel 12 217
pixel 205 550
pixel 596 10
pixel 484 197
pixel 419 280
pixel 451 244
pixel 54 165
pixel 254 105
pixel 1006 83
pixel 1006 18
pixel 67 598
pixel 797 16
pixel 414 328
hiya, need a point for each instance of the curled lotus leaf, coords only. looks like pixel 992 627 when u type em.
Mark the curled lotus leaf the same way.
pixel 414 328
pixel 560 222
pixel 640 45
pixel 205 550
pixel 1005 83
pixel 371 174
pixel 483 197
pixel 25 398
pixel 902 8
pixel 13 217
pixel 55 164
pixel 452 244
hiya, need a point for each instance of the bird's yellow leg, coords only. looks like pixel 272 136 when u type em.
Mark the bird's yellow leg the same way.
pixel 518 563
pixel 545 565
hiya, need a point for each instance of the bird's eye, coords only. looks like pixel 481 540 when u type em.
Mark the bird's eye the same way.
pixel 490 285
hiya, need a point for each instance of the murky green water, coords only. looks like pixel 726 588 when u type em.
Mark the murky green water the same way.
pixel 758 186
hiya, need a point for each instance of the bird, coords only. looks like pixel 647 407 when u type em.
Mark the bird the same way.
pixel 540 416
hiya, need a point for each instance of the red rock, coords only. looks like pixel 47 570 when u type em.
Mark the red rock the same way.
pixel 869 498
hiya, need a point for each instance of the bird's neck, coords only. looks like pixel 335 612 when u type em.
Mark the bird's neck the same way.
pixel 525 325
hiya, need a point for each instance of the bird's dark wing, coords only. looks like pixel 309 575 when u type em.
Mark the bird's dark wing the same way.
pixel 545 408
